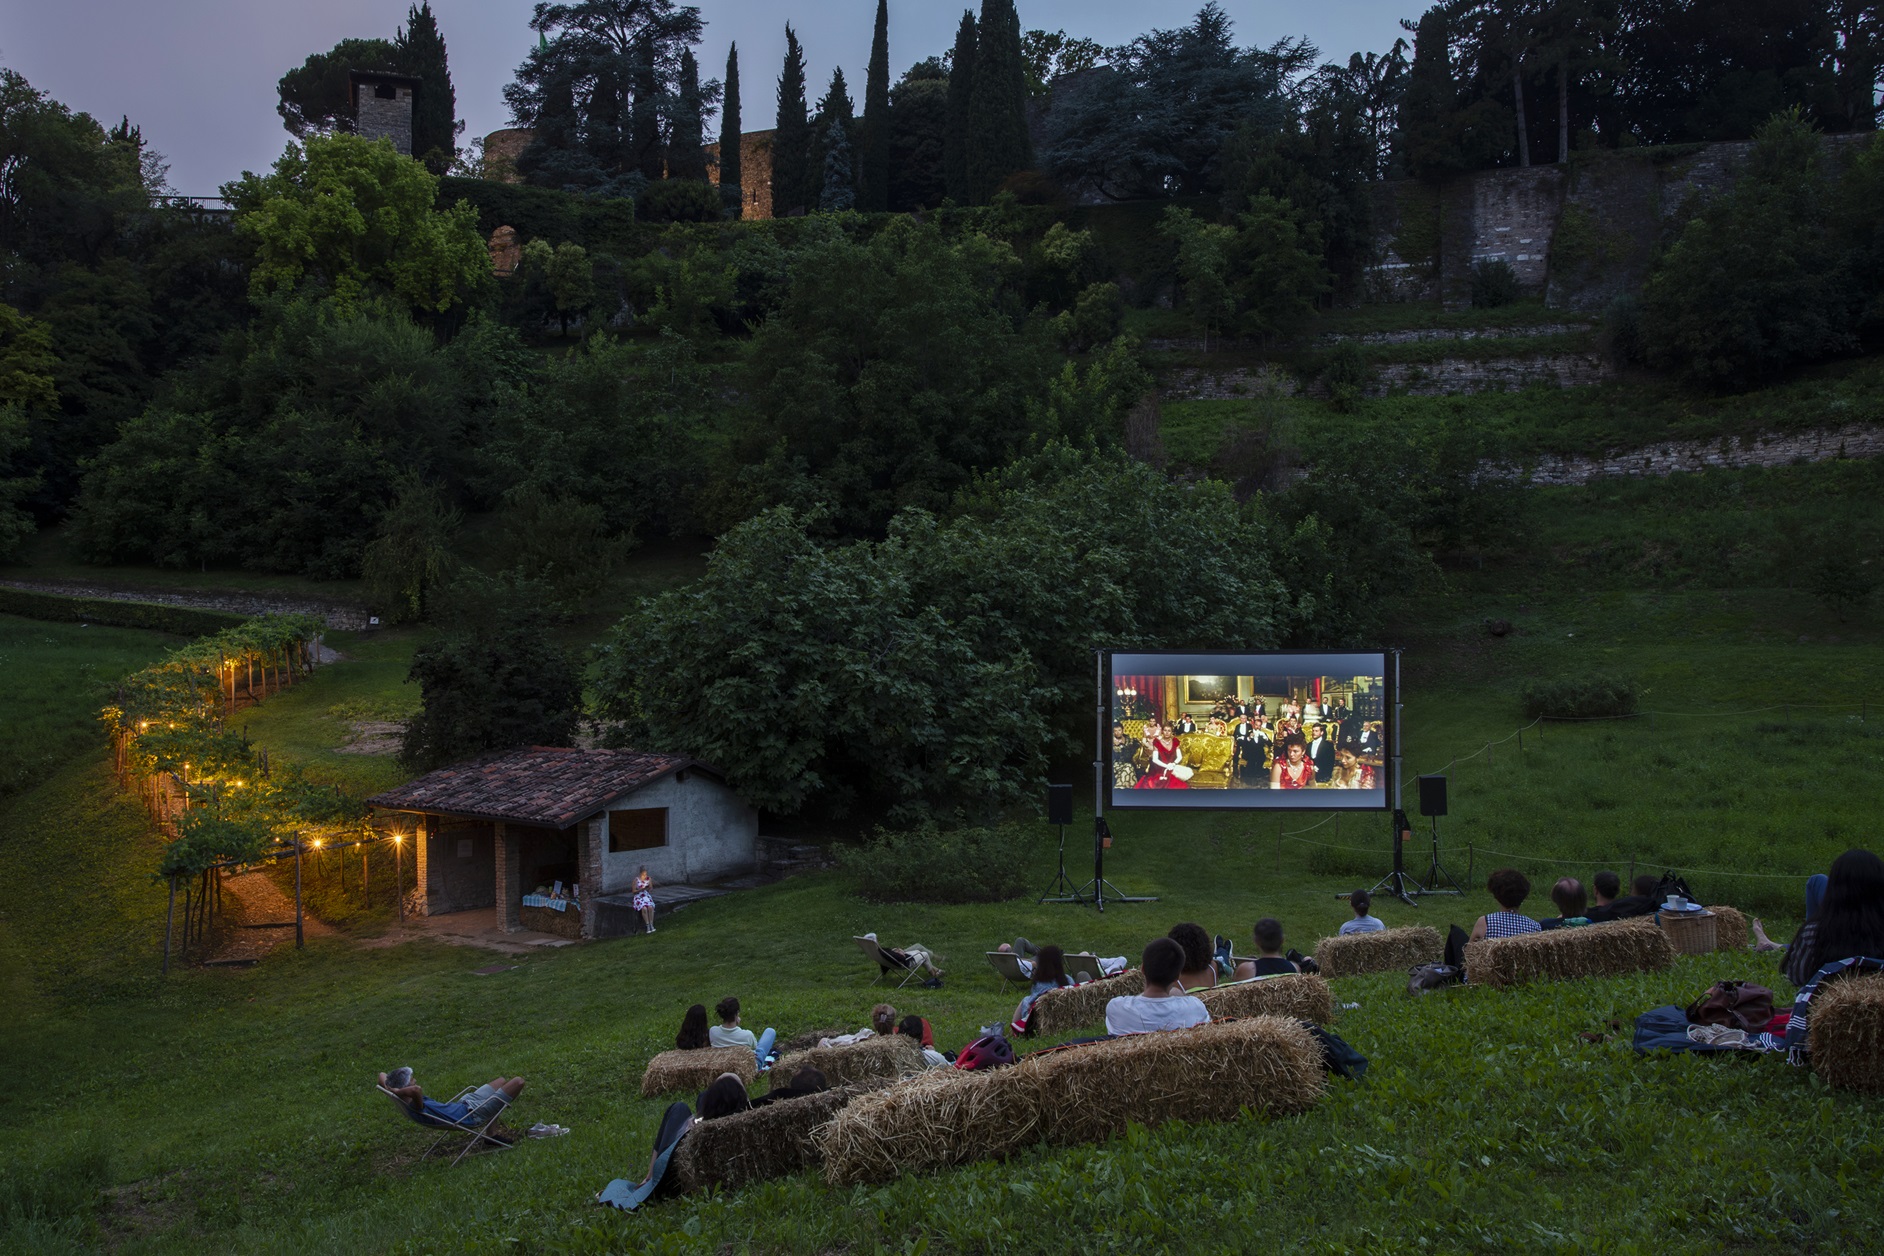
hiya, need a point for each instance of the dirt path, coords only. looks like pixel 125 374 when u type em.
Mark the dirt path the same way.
pixel 341 616
pixel 251 900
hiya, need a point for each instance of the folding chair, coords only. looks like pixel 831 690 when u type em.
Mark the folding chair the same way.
pixel 1084 962
pixel 1007 966
pixel 885 964
pixel 477 1133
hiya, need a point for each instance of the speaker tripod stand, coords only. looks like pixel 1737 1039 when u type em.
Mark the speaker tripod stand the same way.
pixel 1437 873
pixel 1062 890
pixel 1397 883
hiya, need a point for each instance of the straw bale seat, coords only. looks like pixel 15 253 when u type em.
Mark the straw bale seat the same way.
pixel 1079 1007
pixel 1605 950
pixel 1730 929
pixel 1846 1033
pixel 810 1038
pixel 1303 996
pixel 679 1072
pixel 776 1140
pixel 1083 1094
pixel 1388 951
pixel 885 1055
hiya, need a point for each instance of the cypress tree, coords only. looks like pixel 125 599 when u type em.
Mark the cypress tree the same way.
pixel 420 50
pixel 792 187
pixel 686 147
pixel 955 144
pixel 874 172
pixel 730 192
pixel 998 143
pixel 837 179
pixel 647 153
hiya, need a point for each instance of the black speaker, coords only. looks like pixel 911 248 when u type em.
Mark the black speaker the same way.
pixel 1432 795
pixel 1059 804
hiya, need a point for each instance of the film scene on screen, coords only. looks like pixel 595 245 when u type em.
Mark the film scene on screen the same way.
pixel 1302 731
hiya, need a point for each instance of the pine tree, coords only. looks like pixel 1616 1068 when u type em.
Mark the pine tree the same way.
pixel 420 49
pixel 792 186
pixel 961 91
pixel 998 142
pixel 837 118
pixel 686 147
pixel 730 174
pixel 874 173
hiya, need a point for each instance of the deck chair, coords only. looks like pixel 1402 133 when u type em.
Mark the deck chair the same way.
pixel 886 964
pixel 1007 966
pixel 476 1134
pixel 1084 962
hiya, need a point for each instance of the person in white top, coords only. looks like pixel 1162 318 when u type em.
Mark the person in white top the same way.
pixel 1164 1005
pixel 1361 901
pixel 728 1033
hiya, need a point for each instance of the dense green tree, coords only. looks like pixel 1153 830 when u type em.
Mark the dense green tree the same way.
pixel 873 165
pixel 1203 267
pixel 492 688
pixel 686 151
pixel 1153 121
pixel 317 96
pixel 70 189
pixel 355 217
pixel 1276 267
pixel 1756 283
pixel 409 558
pixel 597 91
pixel 795 185
pixel 998 141
pixel 975 679
pixel 1047 55
pixel 420 52
pixel 834 148
pixel 956 143
pixel 919 120
pixel 559 281
pixel 731 169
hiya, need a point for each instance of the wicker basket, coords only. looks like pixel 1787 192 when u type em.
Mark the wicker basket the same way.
pixel 1690 934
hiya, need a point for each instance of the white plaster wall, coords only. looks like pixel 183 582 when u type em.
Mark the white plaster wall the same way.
pixel 711 833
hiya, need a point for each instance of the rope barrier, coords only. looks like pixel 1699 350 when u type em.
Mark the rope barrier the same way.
pixel 1618 862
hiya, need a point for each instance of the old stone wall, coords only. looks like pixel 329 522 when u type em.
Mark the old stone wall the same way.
pixel 1767 449
pixel 755 173
pixel 710 834
pixel 1420 379
pixel 384 117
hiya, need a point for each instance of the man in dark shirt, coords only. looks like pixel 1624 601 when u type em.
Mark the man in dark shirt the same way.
pixel 1640 903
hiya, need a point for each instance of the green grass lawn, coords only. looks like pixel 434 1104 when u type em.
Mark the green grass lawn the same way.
pixel 47 556
pixel 53 680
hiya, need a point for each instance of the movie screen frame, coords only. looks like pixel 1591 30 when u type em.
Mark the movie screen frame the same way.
pixel 1221 689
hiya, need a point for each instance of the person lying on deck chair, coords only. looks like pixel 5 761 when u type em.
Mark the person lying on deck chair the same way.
pixel 915 955
pixel 474 1109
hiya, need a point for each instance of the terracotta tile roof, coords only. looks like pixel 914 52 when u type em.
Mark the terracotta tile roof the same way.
pixel 539 785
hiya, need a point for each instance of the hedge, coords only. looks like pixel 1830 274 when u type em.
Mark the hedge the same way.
pixel 183 621
pixel 600 225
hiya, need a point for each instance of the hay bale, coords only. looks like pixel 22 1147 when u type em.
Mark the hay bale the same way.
pixel 1078 1007
pixel 1303 996
pixel 1846 1033
pixel 1730 929
pixel 776 1140
pixel 885 1055
pixel 1268 1064
pixel 1388 951
pixel 1605 950
pixel 689 1072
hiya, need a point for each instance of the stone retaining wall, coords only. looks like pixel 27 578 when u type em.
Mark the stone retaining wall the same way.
pixel 1766 449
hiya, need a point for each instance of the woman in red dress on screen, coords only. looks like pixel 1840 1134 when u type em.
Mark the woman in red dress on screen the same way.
pixel 1292 770
pixel 1166 754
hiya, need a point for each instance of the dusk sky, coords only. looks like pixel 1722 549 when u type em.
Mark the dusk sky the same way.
pixel 199 75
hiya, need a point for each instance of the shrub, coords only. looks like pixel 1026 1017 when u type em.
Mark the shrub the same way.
pixel 1579 697
pixel 1494 283
pixel 1620 335
pixel 184 621
pixel 930 864
pixel 680 200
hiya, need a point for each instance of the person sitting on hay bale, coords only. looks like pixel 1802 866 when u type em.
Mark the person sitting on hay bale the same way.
pixel 1163 1005
pixel 1362 902
pixel 474 1109
pixel 916 1027
pixel 1846 922
pixel 723 1097
pixel 1571 903
pixel 1270 961
pixel 1200 966
pixel 693 1035
pixel 728 1033
pixel 882 1023
pixel 1510 888
pixel 1639 902
pixel 1049 973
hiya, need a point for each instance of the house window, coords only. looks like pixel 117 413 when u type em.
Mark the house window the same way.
pixel 643 829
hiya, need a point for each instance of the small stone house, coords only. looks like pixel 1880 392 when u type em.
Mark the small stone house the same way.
pixel 492 830
pixel 382 106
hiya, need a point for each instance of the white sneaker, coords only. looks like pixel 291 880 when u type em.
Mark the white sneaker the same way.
pixel 650 928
